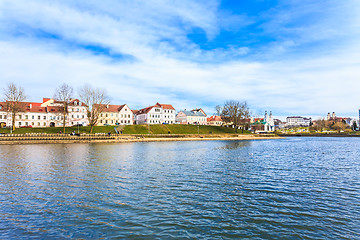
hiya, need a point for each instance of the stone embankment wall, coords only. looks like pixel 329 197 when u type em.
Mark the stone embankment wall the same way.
pixel 85 138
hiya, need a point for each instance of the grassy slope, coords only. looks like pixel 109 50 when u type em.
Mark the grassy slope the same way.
pixel 134 129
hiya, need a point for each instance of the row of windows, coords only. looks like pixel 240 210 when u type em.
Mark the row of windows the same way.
pixel 112 115
pixel 78 110
pixel 165 111
pixel 32 117
pixel 158 116
pixel 158 121
pixel 32 124
pixel 112 121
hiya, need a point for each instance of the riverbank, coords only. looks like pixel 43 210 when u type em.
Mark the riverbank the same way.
pixel 319 135
pixel 105 138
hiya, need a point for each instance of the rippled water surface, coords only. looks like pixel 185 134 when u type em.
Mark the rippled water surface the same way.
pixel 295 188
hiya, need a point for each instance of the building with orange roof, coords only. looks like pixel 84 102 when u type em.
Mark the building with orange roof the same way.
pixel 214 121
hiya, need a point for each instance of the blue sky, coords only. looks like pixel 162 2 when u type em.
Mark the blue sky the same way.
pixel 294 57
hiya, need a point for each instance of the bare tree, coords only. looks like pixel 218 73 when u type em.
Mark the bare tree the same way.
pixel 236 113
pixel 218 110
pixel 13 101
pixel 63 94
pixel 322 123
pixel 95 100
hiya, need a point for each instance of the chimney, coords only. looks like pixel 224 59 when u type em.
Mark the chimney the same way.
pixel 107 106
pixel 30 105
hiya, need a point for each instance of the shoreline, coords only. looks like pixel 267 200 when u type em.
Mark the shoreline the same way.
pixel 129 139
pixel 318 135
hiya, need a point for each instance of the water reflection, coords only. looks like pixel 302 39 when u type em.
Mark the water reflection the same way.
pixel 237 144
pixel 212 190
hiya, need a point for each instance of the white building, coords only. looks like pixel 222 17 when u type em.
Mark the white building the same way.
pixel 269 125
pixel 49 113
pixel 195 116
pixel 297 121
pixel 157 114
pixel 77 114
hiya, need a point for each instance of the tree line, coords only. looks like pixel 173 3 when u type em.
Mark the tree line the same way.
pixel 94 100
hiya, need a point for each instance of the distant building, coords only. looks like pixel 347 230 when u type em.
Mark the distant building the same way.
pixel 214 121
pixel 195 116
pixel 266 124
pixel 334 119
pixel 157 114
pixel 298 121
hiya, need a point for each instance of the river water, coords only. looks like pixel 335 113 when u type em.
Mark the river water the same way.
pixel 294 188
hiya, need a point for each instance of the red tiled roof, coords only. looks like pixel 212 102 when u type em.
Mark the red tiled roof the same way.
pixel 54 109
pixel 111 108
pixel 214 118
pixel 145 110
pixel 165 106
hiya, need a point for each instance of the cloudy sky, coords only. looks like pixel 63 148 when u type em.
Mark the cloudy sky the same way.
pixel 294 57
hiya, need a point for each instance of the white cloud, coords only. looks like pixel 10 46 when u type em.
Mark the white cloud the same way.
pixel 178 71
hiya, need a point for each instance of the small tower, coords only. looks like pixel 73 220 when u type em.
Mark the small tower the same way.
pixel 333 115
pixel 328 116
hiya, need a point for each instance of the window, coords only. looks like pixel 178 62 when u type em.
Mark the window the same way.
pixel 19 123
pixel 38 124
pixel 33 124
pixel 100 121
pixel 0 116
pixel 44 124
pixel 38 117
pixel 26 116
pixel 106 116
pixel 106 121
pixel 20 117
pixel 129 116
pixel 82 116
pixel 44 117
pixel 112 115
pixel 112 121
pixel 32 117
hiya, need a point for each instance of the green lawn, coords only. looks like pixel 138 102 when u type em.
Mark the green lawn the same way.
pixel 135 129
pixel 97 129
pixel 178 129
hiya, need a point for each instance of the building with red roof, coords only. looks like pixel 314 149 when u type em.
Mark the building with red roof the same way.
pixel 156 114
pixel 214 121
pixel 116 115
